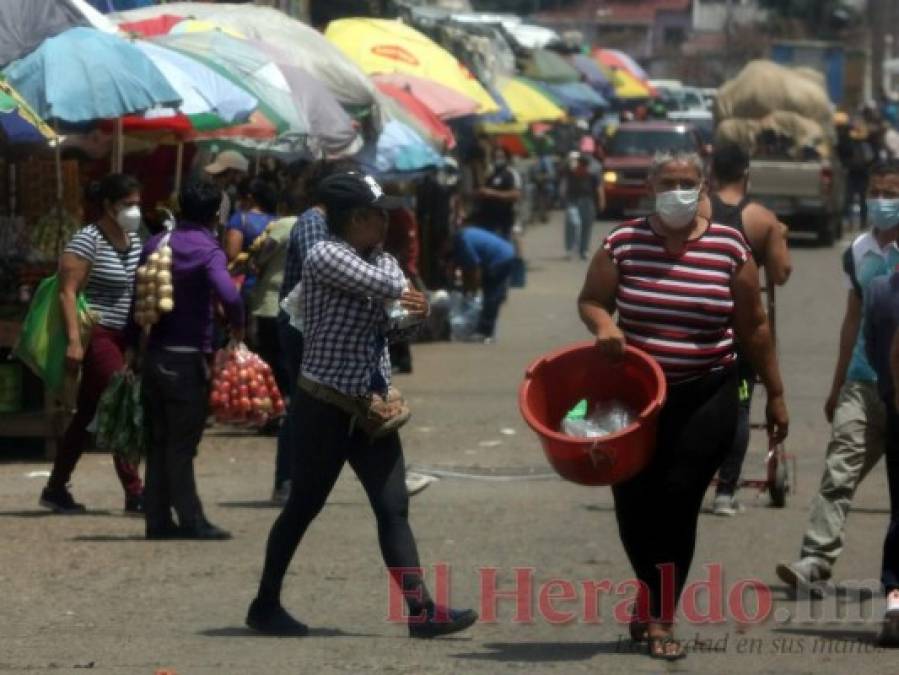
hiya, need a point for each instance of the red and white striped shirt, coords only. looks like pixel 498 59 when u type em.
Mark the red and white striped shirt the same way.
pixel 678 307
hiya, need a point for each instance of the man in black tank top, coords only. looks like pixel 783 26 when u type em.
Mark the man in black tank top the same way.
pixel 731 205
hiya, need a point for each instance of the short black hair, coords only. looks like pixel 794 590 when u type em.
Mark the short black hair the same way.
pixel 111 188
pixel 321 170
pixel 264 194
pixel 730 162
pixel 200 201
pixel 887 167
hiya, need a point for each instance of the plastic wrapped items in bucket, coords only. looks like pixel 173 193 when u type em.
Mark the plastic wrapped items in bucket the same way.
pixel 601 419
pixel 556 382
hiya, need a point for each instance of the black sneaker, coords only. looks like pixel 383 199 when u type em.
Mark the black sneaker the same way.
pixel 134 504
pixel 163 531
pixel 60 500
pixel 204 531
pixel 441 621
pixel 274 620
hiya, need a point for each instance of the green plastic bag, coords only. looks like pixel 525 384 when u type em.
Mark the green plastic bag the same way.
pixel 120 418
pixel 43 342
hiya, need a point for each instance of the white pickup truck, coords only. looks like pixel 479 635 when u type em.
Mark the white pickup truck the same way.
pixel 806 195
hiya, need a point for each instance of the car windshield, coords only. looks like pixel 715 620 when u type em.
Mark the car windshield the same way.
pixel 633 143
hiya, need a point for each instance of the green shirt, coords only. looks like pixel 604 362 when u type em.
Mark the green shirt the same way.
pixel 263 300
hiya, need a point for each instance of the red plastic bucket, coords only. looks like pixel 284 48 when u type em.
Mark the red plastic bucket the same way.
pixel 554 384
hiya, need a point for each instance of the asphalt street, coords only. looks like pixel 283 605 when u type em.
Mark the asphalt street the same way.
pixel 88 592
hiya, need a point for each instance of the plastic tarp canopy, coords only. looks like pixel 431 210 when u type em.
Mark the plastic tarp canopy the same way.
pixel 548 66
pixel 306 47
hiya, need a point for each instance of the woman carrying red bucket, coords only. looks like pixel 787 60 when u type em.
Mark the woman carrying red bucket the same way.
pixel 686 290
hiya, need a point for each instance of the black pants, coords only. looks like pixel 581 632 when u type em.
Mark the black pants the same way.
pixel 890 570
pixel 328 443
pixel 268 346
pixel 658 510
pixel 290 343
pixel 175 393
pixel 732 466
pixel 857 189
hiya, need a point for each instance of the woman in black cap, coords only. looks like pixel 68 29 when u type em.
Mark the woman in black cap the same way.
pixel 347 282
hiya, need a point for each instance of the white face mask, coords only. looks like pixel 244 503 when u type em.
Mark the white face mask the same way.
pixel 677 208
pixel 128 219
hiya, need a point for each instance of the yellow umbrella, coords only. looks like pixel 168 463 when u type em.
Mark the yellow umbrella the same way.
pixel 627 85
pixel 527 105
pixel 386 46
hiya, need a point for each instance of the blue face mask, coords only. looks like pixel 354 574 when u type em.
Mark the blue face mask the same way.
pixel 883 214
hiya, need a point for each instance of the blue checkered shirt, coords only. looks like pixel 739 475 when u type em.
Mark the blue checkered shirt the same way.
pixel 309 229
pixel 346 326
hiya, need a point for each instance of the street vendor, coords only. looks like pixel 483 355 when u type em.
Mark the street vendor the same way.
pixel 687 291
pixel 347 282
pixel 175 368
pixel 100 260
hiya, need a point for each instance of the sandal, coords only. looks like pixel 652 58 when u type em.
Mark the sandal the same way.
pixel 658 647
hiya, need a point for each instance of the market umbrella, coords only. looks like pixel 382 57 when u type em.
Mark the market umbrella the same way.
pixel 387 46
pixel 18 122
pixel 424 116
pixel 548 66
pixel 243 64
pixel 628 86
pixel 444 102
pixel 577 98
pixel 304 46
pixel 209 100
pixel 197 26
pixel 399 149
pixel 25 24
pixel 593 74
pixel 528 104
pixel 614 58
pixel 84 74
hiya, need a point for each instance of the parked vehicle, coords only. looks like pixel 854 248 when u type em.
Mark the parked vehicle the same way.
pixel 628 155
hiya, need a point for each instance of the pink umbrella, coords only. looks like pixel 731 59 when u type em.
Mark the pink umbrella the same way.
pixel 614 58
pixel 444 102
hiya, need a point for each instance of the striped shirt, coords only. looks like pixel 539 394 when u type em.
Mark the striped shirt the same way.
pixel 110 285
pixel 678 307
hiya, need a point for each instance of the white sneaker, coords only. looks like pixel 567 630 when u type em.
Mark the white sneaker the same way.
pixel 804 574
pixel 416 482
pixel 725 505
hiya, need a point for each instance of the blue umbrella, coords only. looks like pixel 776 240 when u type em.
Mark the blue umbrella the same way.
pixel 576 97
pixel 593 74
pixel 398 149
pixel 84 74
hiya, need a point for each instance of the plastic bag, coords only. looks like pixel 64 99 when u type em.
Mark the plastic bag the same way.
pixel 465 313
pixel 292 304
pixel 244 391
pixel 43 342
pixel 120 418
pixel 604 419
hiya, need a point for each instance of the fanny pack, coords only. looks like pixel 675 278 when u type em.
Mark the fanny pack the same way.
pixel 373 414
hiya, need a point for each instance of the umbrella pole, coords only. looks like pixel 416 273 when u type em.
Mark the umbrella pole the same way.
pixel 179 163
pixel 119 145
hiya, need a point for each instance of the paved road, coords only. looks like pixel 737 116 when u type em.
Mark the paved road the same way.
pixel 89 592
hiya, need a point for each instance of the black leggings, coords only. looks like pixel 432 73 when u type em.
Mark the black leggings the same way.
pixel 658 510
pixel 327 444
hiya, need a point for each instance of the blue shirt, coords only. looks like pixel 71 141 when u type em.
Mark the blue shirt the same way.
pixel 251 224
pixel 869 262
pixel 881 319
pixel 476 247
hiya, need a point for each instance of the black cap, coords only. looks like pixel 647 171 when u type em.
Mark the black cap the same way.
pixel 353 190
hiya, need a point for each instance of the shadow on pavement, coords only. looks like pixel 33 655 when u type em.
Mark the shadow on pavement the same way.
pixel 538 652
pixel 842 592
pixel 110 538
pixel 242 631
pixel 44 513
pixel 837 634
pixel 268 504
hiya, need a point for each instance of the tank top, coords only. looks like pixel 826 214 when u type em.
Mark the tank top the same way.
pixel 732 215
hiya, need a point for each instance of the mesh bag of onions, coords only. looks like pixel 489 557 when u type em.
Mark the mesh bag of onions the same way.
pixel 244 391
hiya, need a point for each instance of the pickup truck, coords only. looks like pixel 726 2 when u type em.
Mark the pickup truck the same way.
pixel 806 195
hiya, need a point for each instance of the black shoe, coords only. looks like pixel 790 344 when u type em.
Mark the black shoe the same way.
pixel 441 621
pixel 205 531
pixel 60 500
pixel 274 620
pixel 134 504
pixel 163 531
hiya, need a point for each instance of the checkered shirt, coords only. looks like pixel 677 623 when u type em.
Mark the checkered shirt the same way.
pixel 346 328
pixel 309 229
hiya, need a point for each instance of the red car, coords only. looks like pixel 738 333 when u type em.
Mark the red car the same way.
pixel 628 156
